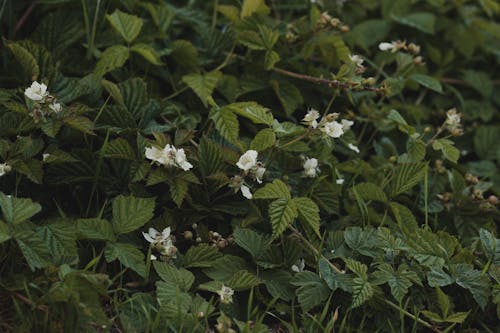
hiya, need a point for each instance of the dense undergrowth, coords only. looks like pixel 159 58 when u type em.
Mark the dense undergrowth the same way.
pixel 249 166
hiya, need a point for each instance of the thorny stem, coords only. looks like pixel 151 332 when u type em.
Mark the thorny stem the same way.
pixel 330 83
pixel 337 270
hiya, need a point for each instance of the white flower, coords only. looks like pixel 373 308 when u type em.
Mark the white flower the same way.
pixel 181 161
pixel 387 47
pixel 237 183
pixel 4 168
pixel 56 107
pixel 356 59
pixel 353 147
pixel 259 172
pixel 333 129
pixel 37 91
pixel 248 160
pixel 246 192
pixel 169 156
pixel 311 118
pixel 156 155
pixel 339 181
pixel 298 266
pixel 453 119
pixel 45 157
pixel 153 257
pixel 226 294
pixel 154 237
pixel 346 124
pixel 310 167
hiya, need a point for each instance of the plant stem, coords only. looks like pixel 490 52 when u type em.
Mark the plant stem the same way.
pixel 330 83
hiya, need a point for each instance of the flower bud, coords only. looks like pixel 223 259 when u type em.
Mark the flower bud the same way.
pixel 188 235
pixel 493 200
pixel 345 28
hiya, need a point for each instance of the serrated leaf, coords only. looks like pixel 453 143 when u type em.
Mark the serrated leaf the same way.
pixel 17 210
pixel 226 123
pixel 428 82
pixel 112 58
pixel 4 232
pixel 120 149
pixel 131 213
pixel 450 152
pixel 370 191
pixel 486 141
pixel 406 176
pixel 128 255
pixel 275 190
pixel 60 239
pixel 288 94
pixel 178 190
pixel 308 213
pixel 148 53
pixel 95 228
pixel 250 7
pixel 210 157
pixel 128 26
pixel 253 111
pixel 82 124
pixel 422 21
pixel 282 212
pixel 202 255
pixel 28 62
pixel 203 85
pixel 252 241
pixel 243 280
pixel 362 291
pixel 181 277
pixel 34 249
pixel 263 139
pixel 312 290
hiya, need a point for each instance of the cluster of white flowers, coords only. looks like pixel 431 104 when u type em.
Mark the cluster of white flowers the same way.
pixel 226 294
pixel 328 124
pixel 251 166
pixel 398 45
pixel 39 94
pixel 169 156
pixel 452 123
pixel 4 168
pixel 161 241
pixel 311 168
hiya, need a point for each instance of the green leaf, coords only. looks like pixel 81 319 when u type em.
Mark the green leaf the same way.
pixel 270 59
pixel 486 141
pixel 4 232
pixel 370 191
pixel 480 81
pixel 61 241
pixel 457 317
pixel 282 212
pixel 450 152
pixel 226 123
pixel 148 53
pixel 178 190
pixel 399 281
pixel 202 255
pixel 308 213
pixel 28 62
pixel 181 277
pixel 428 82
pixel 128 255
pixel 95 228
pixel 128 26
pixel 250 7
pixel 369 32
pixel 312 290
pixel 263 139
pixel 253 111
pixel 362 291
pixel 252 241
pixel 112 58
pixel 17 210
pixel 275 190
pixel 422 21
pixel 406 176
pixel 288 94
pixel 130 213
pixel 326 195
pixel 171 298
pixel 473 280
pixel 210 157
pixel 34 249
pixel 82 124
pixel 490 244
pixel 203 85
pixel 243 280
pixel 119 149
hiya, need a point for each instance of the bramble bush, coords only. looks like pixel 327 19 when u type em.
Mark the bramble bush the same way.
pixel 249 166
